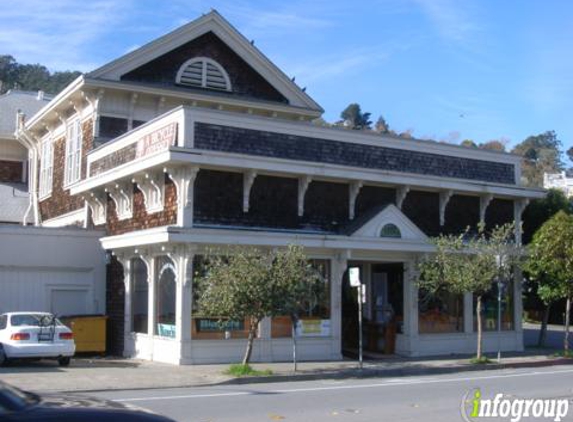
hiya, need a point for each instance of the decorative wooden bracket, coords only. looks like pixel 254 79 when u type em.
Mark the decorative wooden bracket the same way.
pixel 152 186
pixel 248 180
pixel 182 257
pixel 183 178
pixel 401 193
pixel 122 196
pixel 445 197
pixel 98 205
pixel 303 183
pixel 484 202
pixel 132 103
pixel 353 191
pixel 519 206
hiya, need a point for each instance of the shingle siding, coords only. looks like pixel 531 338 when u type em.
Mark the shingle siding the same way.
pixel 278 145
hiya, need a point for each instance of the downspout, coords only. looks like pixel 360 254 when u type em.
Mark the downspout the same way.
pixel 33 156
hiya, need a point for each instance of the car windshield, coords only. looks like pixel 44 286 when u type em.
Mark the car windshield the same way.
pixel 33 320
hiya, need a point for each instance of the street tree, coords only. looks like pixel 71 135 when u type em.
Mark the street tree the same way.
pixel 470 264
pixel 301 287
pixel 247 284
pixel 550 263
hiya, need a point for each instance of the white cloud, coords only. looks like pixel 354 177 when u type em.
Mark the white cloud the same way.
pixel 452 19
pixel 56 32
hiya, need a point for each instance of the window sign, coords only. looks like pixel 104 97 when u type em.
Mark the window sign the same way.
pixel 166 330
pixel 214 325
pixel 313 328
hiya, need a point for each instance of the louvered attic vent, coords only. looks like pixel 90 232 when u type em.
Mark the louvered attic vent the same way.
pixel 204 73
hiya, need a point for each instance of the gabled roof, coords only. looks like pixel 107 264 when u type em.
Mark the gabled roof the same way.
pixel 390 214
pixel 211 22
pixel 28 102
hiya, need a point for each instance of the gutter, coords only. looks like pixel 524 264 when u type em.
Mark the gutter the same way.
pixel 33 157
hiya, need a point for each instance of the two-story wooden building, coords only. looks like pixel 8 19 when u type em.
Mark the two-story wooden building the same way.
pixel 196 140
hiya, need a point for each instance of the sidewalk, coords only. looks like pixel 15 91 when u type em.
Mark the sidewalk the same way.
pixel 104 374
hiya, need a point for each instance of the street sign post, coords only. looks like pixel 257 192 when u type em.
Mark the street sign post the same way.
pixel 354 278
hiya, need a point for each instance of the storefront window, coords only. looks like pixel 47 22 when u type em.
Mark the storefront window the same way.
pixel 209 328
pixel 139 297
pixel 166 298
pixel 440 312
pixel 315 318
pixel 490 306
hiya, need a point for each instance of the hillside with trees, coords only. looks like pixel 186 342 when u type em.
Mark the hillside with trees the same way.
pixel 32 77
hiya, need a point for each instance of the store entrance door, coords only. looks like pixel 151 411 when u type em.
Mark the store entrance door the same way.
pixel 382 313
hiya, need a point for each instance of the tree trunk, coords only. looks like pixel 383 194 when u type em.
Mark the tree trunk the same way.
pixel 544 322
pixel 253 325
pixel 479 328
pixel 567 320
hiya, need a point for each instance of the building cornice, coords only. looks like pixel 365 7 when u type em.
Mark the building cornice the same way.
pixel 289 168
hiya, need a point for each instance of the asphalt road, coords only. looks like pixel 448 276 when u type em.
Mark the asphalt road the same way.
pixel 425 398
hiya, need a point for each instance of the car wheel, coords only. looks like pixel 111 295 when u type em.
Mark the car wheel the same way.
pixel 64 361
pixel 3 358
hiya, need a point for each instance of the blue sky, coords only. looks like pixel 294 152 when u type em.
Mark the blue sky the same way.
pixel 444 69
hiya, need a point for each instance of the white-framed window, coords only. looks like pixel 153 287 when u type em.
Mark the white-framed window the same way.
pixel 203 72
pixel 73 151
pixel 46 167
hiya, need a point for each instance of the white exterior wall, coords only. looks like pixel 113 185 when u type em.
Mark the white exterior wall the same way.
pixel 55 270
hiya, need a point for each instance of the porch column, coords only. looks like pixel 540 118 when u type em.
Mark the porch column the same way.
pixel 183 260
pixel 410 300
pixel 338 267
pixel 149 262
pixel 128 283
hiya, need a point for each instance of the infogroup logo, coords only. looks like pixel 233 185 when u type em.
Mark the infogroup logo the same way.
pixel 474 407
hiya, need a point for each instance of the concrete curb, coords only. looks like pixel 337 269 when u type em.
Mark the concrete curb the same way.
pixel 394 372
pixel 353 373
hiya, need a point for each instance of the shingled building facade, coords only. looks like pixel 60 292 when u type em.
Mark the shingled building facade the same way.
pixel 196 140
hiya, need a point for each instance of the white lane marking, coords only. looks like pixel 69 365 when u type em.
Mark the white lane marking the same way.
pixel 416 381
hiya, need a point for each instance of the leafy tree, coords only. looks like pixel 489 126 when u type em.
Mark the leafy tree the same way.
pixel 250 284
pixel 381 126
pixel 468 143
pixel 550 263
pixel 570 153
pixel 541 210
pixel 493 145
pixel 470 264
pixel 353 117
pixel 32 77
pixel 541 154
pixel 300 285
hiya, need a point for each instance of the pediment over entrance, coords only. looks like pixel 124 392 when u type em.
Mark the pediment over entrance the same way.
pixel 389 222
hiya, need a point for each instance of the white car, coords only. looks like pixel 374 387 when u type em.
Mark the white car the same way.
pixel 35 335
